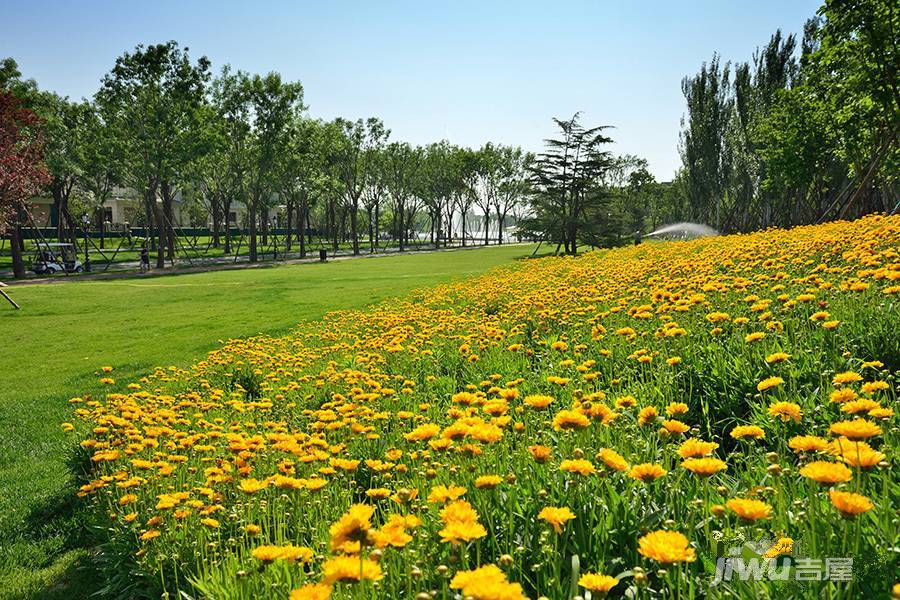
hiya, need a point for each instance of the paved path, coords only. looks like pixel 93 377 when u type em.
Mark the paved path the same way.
pixel 228 266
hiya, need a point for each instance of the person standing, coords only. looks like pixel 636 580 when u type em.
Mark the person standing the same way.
pixel 145 258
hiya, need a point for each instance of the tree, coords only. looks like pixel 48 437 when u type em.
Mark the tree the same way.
pixel 64 134
pixel 374 192
pixel 152 98
pixel 101 158
pixel 272 106
pixel 705 154
pixel 22 169
pixel 355 164
pixel 306 173
pixel 512 176
pixel 402 164
pixel 568 203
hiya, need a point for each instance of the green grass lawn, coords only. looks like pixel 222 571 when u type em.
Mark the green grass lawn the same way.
pixel 51 349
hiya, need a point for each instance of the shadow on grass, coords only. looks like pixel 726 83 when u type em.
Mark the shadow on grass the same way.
pixel 50 556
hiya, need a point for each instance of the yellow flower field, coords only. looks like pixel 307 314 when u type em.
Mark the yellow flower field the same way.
pixel 609 424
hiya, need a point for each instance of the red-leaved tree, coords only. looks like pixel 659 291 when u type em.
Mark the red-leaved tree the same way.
pixel 22 169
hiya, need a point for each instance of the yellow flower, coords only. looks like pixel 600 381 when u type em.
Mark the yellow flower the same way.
pixel 353 527
pixel 845 378
pixel 693 448
pixel 749 509
pixel 849 504
pixel 486 583
pixel 538 401
pixel 251 486
pixel 460 523
pixel 647 415
pixel 856 453
pixel 595 582
pixel 751 431
pixel 768 383
pixel 646 472
pixel 488 481
pixel 666 547
pixel 826 473
pixel 843 395
pixel 569 419
pixel 211 523
pixel 577 465
pixel 441 493
pixel 857 406
pixel 754 337
pixel 613 460
pixel 423 432
pixel 783 546
pixel 675 426
pixel 857 429
pixel 777 357
pixel 786 410
pixel 676 408
pixel 149 535
pixel 539 453
pixel 704 467
pixel 808 443
pixel 311 591
pixel 556 516
pixel 350 569
pixel 870 387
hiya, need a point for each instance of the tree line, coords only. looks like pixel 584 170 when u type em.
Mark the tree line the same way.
pixel 804 131
pixel 161 124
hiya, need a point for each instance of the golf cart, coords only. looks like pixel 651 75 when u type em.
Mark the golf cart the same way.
pixel 56 258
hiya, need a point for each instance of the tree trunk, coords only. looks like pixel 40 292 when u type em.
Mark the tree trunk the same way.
pixel 169 219
pixel 226 211
pixel 501 217
pixel 371 230
pixel 377 217
pixel 149 217
pixel 399 229
pixel 216 222
pixel 161 232
pixel 253 226
pixel 464 214
pixel 301 223
pixel 15 247
pixel 289 228
pixel 487 225
pixel 354 227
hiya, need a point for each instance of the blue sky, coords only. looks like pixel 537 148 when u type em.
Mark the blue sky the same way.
pixel 466 71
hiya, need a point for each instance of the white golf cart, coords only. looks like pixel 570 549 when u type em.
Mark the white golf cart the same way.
pixel 54 257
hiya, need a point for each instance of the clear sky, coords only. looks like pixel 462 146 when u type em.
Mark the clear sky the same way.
pixel 467 71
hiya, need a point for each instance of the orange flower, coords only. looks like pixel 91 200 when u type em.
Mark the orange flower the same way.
pixel 704 467
pixel 556 516
pixel 849 504
pixel 646 472
pixel 749 509
pixel 786 410
pixel 768 383
pixel 595 582
pixel 857 429
pixel 577 465
pixel 666 547
pixel 826 473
